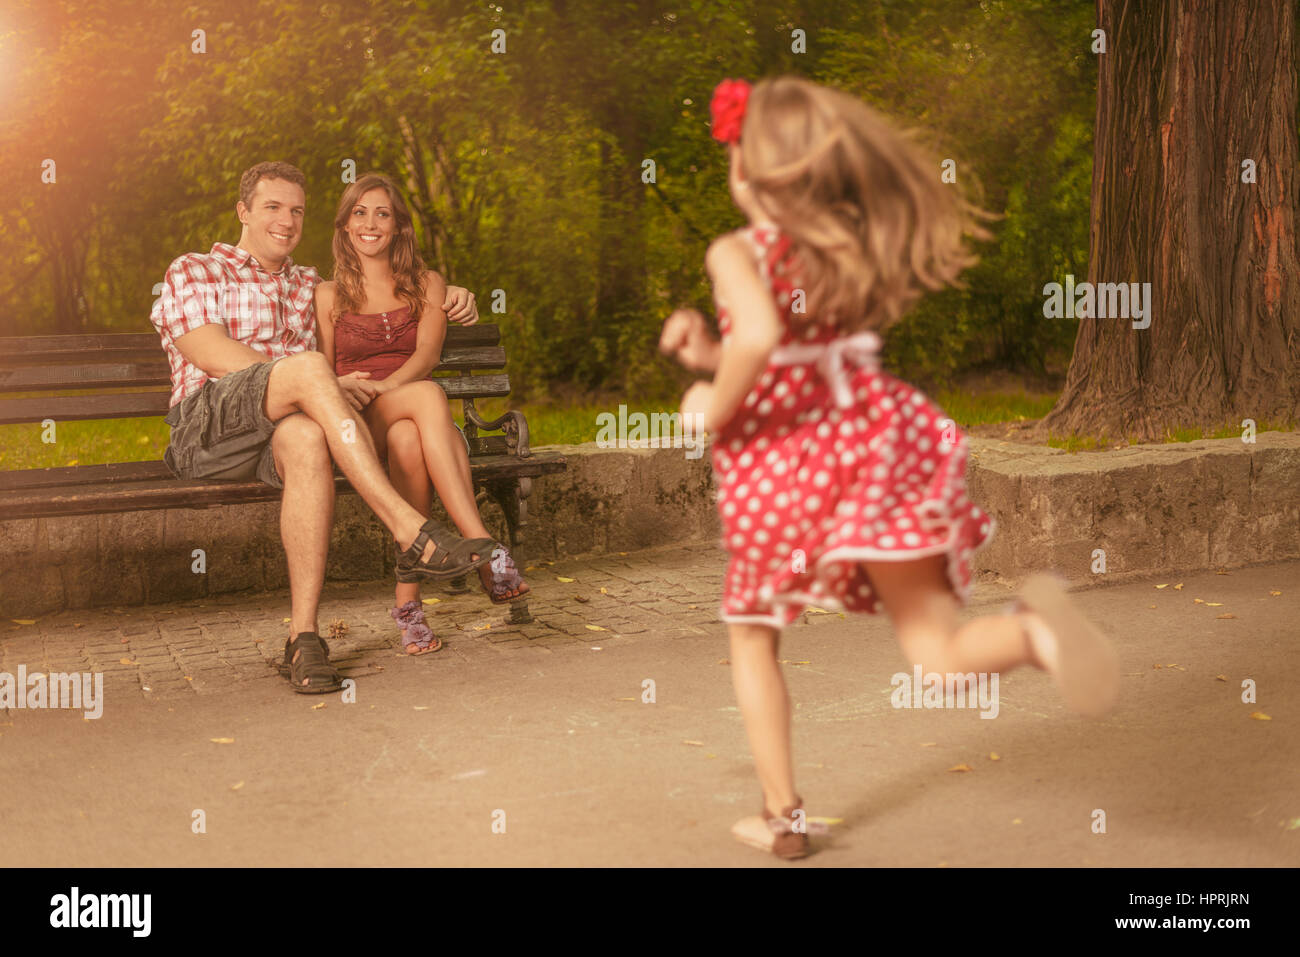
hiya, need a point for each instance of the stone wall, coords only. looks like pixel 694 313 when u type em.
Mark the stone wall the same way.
pixel 1152 509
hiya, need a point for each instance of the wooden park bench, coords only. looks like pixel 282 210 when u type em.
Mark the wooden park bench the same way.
pixel 126 375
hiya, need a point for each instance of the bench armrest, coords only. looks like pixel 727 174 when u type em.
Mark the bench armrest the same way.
pixel 512 423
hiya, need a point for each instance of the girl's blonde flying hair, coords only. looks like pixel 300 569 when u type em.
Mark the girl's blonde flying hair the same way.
pixel 871 221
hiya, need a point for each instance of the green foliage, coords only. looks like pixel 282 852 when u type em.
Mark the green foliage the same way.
pixel 524 169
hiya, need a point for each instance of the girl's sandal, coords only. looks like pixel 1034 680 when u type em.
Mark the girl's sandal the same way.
pixel 451 557
pixel 312 664
pixel 1084 663
pixel 785 836
pixel 417 637
pixel 505 578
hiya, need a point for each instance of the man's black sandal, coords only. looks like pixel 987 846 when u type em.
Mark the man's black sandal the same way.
pixel 313 664
pixel 450 559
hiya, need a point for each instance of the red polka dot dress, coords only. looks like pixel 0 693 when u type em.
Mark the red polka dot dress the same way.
pixel 831 462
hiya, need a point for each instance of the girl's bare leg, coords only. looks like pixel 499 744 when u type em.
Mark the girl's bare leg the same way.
pixel 765 706
pixel 923 608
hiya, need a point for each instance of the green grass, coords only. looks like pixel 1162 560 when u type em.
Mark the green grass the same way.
pixel 967 409
pixel 134 440
pixel 137 440
pixel 1193 433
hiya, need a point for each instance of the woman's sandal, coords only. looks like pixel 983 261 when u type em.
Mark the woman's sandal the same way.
pixel 1083 663
pixel 313 664
pixel 505 579
pixel 417 637
pixel 784 835
pixel 451 557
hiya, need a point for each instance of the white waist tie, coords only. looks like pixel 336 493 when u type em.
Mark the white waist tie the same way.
pixel 863 348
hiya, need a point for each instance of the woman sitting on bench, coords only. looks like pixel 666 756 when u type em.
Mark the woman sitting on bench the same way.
pixel 379 323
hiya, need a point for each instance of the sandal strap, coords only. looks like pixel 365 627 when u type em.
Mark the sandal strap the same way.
pixel 410 617
pixel 312 663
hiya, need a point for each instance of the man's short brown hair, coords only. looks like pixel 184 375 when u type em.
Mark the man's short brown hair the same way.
pixel 272 170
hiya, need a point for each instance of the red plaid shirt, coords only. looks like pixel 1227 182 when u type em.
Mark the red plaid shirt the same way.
pixel 270 312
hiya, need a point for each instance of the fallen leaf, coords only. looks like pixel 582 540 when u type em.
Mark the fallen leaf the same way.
pixel 604 591
pixel 420 707
pixel 929 744
pixel 482 627
pixel 1260 716
pixel 285 619
pixel 561 578
pixel 23 621
pixel 1165 585
pixel 222 740
pixel 692 607
pixel 961 767
pixel 1199 601
pixel 126 661
pixel 76 624
pixel 582 598
pixel 1153 606
pixel 1275 593
pixel 1155 666
pixel 1220 573
pixel 1213 604
pixel 237 786
pixel 993 756
pixel 1178 587
pixel 189 677
pixel 596 628
pixel 1220 678
pixel 625 699
pixel 597 648
pixel 828 821
pixel 1016 820
pixel 531 568
pixel 123 641
pixel 818 611
pixel 430 601
pixel 1225 616
pixel 1294 825
pixel 317 707
pixel 1172 665
pixel 695 744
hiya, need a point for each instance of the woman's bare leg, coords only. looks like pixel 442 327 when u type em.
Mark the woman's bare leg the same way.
pixel 407 473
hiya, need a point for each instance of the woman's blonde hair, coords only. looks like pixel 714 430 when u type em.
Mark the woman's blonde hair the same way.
pixel 403 255
pixel 869 218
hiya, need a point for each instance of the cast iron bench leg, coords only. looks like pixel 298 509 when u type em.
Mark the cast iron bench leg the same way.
pixel 512 496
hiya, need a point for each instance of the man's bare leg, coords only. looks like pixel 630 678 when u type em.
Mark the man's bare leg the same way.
pixel 306 513
pixel 304 382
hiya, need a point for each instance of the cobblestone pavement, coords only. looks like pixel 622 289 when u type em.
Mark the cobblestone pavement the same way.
pixel 217 644
pixel 220 643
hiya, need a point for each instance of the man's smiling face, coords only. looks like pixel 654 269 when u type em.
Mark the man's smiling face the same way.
pixel 272 221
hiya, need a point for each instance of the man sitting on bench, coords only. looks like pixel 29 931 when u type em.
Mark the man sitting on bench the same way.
pixel 252 398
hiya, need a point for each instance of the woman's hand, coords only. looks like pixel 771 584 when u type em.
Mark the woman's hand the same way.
pixel 695 409
pixel 459 306
pixel 358 389
pixel 686 338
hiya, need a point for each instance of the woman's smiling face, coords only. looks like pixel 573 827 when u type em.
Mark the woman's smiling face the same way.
pixel 371 223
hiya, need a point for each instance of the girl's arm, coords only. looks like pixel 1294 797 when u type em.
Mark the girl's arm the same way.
pixel 325 321
pixel 755 326
pixel 428 339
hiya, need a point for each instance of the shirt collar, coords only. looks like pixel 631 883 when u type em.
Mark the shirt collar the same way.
pixel 237 256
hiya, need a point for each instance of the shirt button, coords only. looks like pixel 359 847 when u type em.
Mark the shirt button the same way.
pixel 385 315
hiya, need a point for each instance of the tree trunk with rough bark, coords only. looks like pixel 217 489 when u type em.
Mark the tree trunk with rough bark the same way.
pixel 1194 191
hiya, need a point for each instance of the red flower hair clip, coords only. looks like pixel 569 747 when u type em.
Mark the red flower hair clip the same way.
pixel 730 97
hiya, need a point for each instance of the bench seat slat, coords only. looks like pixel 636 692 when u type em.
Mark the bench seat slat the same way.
pixel 154 493
pixel 132 405
pixel 33 349
pixel 153 371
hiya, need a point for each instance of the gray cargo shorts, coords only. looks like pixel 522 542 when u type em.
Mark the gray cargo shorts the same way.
pixel 221 432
